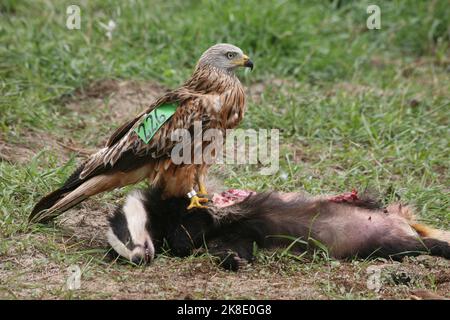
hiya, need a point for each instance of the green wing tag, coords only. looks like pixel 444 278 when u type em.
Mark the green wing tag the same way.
pixel 154 120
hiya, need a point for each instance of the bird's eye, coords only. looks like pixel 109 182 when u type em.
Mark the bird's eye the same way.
pixel 231 55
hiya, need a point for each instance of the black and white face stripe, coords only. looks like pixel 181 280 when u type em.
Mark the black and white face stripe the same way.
pixel 128 234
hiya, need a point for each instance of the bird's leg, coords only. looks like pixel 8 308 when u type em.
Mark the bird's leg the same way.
pixel 202 189
pixel 201 185
pixel 196 201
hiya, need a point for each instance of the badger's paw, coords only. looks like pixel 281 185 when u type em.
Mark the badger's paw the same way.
pixel 232 261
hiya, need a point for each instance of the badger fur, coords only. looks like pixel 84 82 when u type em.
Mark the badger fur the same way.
pixel 347 227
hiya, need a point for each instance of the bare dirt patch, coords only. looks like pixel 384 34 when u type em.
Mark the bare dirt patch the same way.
pixel 14 153
pixel 122 99
pixel 87 222
pixel 22 149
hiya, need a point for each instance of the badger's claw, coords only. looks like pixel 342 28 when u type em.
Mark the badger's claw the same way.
pixel 196 203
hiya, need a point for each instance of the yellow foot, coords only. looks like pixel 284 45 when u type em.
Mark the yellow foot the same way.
pixel 196 202
pixel 202 190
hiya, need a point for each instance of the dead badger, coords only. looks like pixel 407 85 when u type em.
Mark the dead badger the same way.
pixel 347 225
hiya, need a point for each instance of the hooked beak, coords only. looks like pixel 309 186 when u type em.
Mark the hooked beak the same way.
pixel 245 62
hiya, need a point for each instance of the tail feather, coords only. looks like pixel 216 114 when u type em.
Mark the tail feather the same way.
pixel 63 204
pixel 70 198
pixel 76 189
pixel 46 202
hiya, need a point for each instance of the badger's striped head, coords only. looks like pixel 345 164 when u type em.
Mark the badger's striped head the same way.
pixel 128 231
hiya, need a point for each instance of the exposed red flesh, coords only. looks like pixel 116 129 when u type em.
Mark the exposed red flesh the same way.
pixel 231 196
pixel 346 197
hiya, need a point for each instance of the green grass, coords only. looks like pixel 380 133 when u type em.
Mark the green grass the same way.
pixel 357 108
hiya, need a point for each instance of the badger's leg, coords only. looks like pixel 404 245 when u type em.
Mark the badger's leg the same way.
pixel 437 247
pixel 428 240
pixel 397 246
pixel 233 253
pixel 415 247
pixel 190 233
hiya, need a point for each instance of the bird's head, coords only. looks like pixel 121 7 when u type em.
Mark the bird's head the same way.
pixel 226 57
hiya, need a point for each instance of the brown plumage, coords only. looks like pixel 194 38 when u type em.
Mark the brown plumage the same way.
pixel 213 95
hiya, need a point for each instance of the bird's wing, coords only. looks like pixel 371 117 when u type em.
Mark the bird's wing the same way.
pixel 170 97
pixel 126 150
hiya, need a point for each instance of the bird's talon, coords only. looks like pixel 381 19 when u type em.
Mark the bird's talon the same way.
pixel 203 200
pixel 196 203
